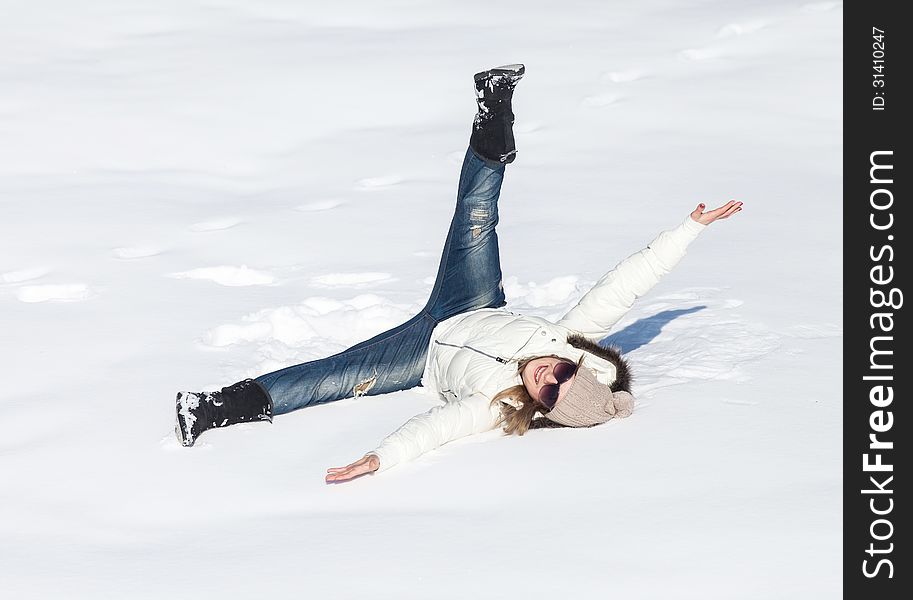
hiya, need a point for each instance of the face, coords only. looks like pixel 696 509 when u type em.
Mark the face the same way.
pixel 539 372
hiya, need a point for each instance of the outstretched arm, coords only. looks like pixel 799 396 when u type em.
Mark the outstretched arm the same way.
pixel 422 433
pixel 616 291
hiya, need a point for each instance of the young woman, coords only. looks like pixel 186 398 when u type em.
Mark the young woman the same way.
pixel 491 367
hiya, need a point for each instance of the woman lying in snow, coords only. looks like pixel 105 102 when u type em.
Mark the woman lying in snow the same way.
pixel 491 367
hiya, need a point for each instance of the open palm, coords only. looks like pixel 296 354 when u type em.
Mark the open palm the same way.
pixel 723 212
pixel 368 464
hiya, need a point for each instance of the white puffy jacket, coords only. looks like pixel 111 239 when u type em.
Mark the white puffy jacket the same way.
pixel 473 356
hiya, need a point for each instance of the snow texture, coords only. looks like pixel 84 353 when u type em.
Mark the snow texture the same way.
pixel 199 191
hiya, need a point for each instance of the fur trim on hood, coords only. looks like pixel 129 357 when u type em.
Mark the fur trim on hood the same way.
pixel 623 371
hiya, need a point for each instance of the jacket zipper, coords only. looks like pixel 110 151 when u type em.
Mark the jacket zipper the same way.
pixel 497 358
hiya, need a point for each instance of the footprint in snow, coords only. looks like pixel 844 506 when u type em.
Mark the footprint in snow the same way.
pixel 700 54
pixel 738 402
pixel 735 29
pixel 600 100
pixel 376 183
pixel 65 292
pixel 351 279
pixel 626 76
pixel 228 275
pixel 135 252
pixel 319 206
pixel 216 224
pixel 23 275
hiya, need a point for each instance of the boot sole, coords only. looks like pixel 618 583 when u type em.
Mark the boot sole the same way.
pixel 178 430
pixel 513 71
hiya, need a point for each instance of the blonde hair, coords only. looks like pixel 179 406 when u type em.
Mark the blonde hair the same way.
pixel 513 420
pixel 517 421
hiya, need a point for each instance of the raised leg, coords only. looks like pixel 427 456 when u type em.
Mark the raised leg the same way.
pixel 468 277
pixel 469 274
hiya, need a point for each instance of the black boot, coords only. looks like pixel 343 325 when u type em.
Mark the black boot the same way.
pixel 242 402
pixel 492 130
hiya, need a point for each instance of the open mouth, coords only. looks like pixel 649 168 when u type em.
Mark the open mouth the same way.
pixel 539 373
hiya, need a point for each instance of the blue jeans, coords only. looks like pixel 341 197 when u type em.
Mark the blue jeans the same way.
pixel 469 277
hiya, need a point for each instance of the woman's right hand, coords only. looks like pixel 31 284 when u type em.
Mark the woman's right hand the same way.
pixel 367 464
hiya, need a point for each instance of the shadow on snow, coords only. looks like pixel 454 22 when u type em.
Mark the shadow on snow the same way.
pixel 641 332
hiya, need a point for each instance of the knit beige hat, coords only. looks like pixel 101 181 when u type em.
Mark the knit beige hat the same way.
pixel 589 402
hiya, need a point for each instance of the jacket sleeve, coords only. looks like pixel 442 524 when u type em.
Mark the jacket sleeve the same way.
pixel 615 293
pixel 436 427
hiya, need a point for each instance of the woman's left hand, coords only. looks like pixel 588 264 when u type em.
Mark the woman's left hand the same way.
pixel 368 464
pixel 723 212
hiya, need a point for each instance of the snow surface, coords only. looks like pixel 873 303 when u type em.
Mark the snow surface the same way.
pixel 194 192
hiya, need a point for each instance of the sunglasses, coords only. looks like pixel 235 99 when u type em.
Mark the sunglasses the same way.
pixel 548 394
